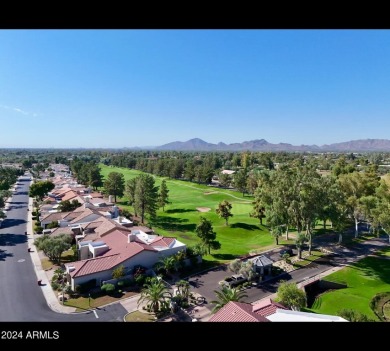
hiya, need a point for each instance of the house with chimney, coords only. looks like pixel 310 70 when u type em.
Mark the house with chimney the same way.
pixel 130 248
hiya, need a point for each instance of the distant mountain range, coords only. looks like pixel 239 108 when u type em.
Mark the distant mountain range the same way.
pixel 197 144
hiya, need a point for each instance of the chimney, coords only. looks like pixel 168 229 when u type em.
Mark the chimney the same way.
pixel 110 198
pixel 131 237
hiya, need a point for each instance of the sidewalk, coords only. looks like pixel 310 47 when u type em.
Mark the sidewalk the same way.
pixel 48 292
pixel 130 304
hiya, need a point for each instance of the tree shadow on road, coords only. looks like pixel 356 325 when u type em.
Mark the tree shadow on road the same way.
pixel 4 255
pixel 12 239
pixel 9 222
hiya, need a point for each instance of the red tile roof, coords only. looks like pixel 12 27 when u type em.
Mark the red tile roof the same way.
pixel 237 312
pixel 69 195
pixel 91 266
pixel 266 307
pixel 162 241
pixel 55 216
pixel 119 251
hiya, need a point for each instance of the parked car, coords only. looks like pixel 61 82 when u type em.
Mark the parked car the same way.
pixel 234 280
pixel 286 251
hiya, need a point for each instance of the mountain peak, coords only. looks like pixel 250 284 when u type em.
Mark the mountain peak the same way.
pixel 197 144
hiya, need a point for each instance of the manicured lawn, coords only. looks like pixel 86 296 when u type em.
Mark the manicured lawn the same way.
pixel 83 303
pixel 384 252
pixel 181 216
pixel 67 256
pixel 46 263
pixel 138 316
pixel 364 279
pixel 309 259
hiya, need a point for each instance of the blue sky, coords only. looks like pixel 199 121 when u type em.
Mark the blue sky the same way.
pixel 124 88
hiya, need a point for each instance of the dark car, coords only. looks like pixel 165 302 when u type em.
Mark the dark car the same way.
pixel 286 251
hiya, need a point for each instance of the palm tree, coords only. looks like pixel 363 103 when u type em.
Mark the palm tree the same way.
pixel 167 264
pixel 156 293
pixel 225 295
pixel 183 289
pixel 300 242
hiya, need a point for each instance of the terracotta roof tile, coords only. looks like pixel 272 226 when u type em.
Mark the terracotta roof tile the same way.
pixel 237 312
pixel 55 216
pixel 267 307
pixel 70 195
pixel 119 251
pixel 91 266
pixel 162 241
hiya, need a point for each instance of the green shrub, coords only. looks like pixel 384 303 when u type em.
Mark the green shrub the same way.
pixel 85 287
pixel 108 288
pixel 53 225
pixel 140 279
pixel 55 285
pixel 38 229
pixel 120 284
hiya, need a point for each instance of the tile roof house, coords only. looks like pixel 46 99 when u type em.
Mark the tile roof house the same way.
pixel 237 312
pixel 116 248
pixel 266 307
pixel 267 310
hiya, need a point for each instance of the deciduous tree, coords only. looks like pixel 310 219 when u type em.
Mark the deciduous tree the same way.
pixel 224 210
pixel 41 188
pixel 290 295
pixel 205 232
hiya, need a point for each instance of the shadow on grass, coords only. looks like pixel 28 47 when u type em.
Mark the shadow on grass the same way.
pixel 224 256
pixel 180 210
pixel 245 226
pixel 173 224
pixel 375 268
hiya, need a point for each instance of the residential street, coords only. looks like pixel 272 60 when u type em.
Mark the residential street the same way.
pixel 22 299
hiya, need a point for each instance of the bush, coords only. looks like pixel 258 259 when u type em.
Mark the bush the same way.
pixel 140 279
pixel 53 225
pixel 108 288
pixel 38 229
pixel 120 284
pixel 128 282
pixel 55 285
pixel 85 287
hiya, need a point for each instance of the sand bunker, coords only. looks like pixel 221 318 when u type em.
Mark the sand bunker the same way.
pixel 203 209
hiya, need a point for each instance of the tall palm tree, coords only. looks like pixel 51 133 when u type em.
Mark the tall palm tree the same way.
pixel 156 293
pixel 225 295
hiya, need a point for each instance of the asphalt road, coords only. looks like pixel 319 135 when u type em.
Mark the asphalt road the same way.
pixel 205 283
pixel 21 299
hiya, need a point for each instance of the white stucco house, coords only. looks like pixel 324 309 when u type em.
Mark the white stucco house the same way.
pixel 101 256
